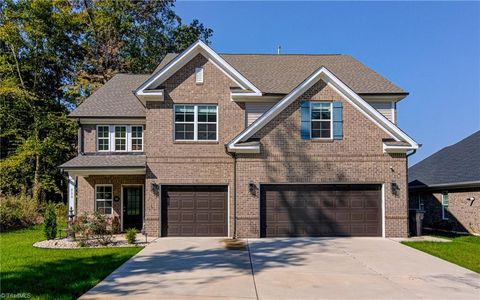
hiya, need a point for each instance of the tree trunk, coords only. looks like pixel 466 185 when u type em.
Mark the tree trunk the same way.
pixel 36 179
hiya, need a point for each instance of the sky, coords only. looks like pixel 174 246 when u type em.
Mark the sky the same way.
pixel 430 49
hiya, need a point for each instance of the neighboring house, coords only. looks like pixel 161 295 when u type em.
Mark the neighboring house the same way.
pixel 245 145
pixel 446 185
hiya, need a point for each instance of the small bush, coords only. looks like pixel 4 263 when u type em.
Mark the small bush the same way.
pixel 115 225
pixel 131 235
pixel 95 226
pixel 50 222
pixel 62 212
pixel 18 212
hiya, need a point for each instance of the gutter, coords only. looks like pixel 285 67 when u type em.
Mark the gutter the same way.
pixel 81 146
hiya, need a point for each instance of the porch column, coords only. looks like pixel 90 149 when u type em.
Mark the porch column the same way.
pixel 71 193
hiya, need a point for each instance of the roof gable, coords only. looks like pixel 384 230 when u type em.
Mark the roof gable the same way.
pixel 342 89
pixel 458 163
pixel 180 60
pixel 279 74
pixel 114 99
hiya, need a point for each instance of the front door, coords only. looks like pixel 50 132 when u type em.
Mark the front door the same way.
pixel 132 207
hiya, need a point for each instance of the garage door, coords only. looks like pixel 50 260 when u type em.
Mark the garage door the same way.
pixel 194 211
pixel 321 210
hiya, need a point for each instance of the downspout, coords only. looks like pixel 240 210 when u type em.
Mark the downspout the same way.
pixel 80 138
pixel 234 156
pixel 408 191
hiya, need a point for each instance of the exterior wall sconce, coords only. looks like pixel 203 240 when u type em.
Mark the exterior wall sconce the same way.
pixel 155 188
pixel 252 188
pixel 116 198
pixel 395 188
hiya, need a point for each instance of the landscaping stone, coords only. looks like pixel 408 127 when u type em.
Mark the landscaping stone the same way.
pixel 118 240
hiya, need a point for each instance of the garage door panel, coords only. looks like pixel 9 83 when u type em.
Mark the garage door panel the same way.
pixel 320 210
pixel 194 211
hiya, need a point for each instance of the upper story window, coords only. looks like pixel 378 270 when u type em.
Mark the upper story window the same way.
pixel 137 138
pixel 196 122
pixel 321 120
pixel 103 142
pixel 119 138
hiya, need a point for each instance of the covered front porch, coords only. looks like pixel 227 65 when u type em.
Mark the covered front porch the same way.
pixel 113 185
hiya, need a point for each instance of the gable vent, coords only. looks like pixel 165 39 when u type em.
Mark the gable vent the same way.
pixel 199 75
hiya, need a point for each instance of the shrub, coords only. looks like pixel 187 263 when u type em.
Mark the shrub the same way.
pixel 96 226
pixel 81 229
pixel 115 225
pixel 131 235
pixel 18 212
pixel 62 212
pixel 50 222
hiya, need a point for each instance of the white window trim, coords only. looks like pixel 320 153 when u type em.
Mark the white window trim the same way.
pixel 199 75
pixel 331 121
pixel 128 137
pixel 99 185
pixel 115 138
pixel 108 139
pixel 444 216
pixel 195 123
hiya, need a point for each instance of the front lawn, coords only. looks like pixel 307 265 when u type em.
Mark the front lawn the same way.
pixel 53 274
pixel 463 250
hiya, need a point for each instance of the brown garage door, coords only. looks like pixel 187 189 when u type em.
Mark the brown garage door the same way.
pixel 321 210
pixel 194 211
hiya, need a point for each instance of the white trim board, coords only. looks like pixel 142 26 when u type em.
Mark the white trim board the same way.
pixel 188 54
pixel 348 94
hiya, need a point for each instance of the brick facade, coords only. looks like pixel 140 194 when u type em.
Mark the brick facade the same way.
pixel 86 191
pixel 463 215
pixel 357 158
pixel 284 157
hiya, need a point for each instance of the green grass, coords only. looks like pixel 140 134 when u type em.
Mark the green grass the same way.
pixel 52 273
pixel 462 250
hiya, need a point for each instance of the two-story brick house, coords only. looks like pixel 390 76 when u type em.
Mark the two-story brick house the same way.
pixel 245 145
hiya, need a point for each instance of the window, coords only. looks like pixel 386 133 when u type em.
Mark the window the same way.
pixel 184 122
pixel 195 123
pixel 137 138
pixel 421 204
pixel 207 123
pixel 104 199
pixel 103 138
pixel 321 118
pixel 445 206
pixel 120 138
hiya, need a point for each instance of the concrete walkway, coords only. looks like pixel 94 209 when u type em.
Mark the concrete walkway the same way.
pixel 299 268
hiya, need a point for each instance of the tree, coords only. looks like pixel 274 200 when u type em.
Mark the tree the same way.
pixel 54 54
pixel 129 37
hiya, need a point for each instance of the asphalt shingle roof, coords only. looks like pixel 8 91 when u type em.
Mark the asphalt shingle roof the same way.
pixel 114 99
pixel 280 74
pixel 453 164
pixel 272 74
pixel 105 161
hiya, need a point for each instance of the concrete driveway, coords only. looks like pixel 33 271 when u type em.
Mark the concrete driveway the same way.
pixel 299 268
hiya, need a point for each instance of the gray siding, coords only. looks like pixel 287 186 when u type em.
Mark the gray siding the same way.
pixel 386 109
pixel 254 110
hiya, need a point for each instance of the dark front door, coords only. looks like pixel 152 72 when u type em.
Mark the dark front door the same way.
pixel 132 207
pixel 321 210
pixel 194 211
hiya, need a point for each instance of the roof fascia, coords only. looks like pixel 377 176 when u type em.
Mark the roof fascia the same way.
pixel 188 54
pixel 348 94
